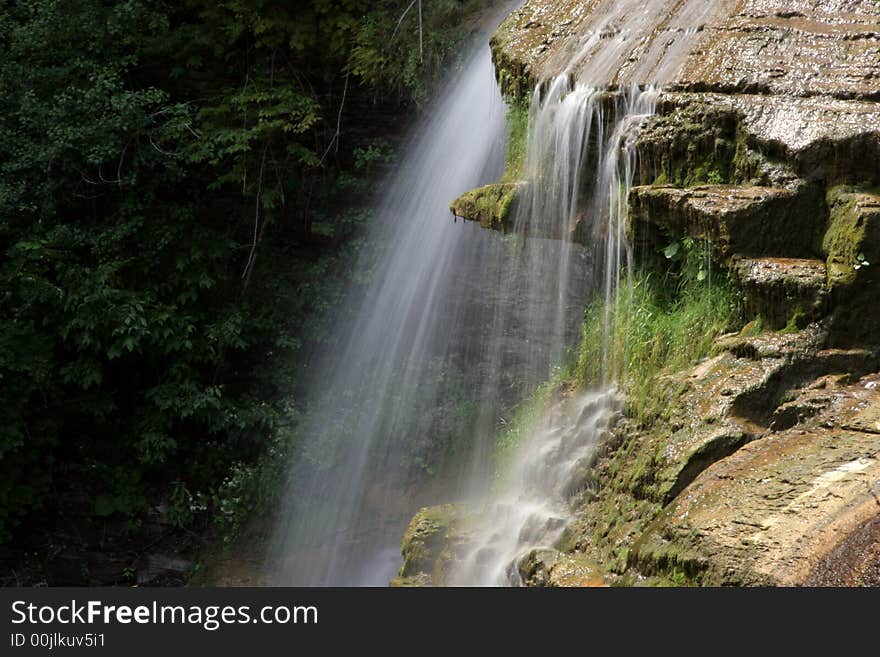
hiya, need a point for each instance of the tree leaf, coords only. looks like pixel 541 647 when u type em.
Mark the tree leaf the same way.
pixel 672 250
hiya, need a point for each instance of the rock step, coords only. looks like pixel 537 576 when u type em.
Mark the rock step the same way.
pixel 767 514
pixel 782 291
pixel 751 221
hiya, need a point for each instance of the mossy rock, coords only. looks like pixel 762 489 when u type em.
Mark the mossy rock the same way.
pixel 851 245
pixel 424 543
pixel 491 205
pixel 691 144
pixel 734 219
pixel 853 230
pixel 416 581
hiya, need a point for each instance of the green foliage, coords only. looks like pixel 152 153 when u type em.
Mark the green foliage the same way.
pixel 387 55
pixel 715 177
pixel 253 486
pixel 656 324
pixel 178 196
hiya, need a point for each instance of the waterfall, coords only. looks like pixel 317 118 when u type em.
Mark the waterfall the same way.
pixel 399 344
pixel 457 317
pixel 580 163
pixel 580 167
pixel 451 328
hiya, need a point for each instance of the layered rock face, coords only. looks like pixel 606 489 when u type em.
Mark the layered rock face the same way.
pixel 766 147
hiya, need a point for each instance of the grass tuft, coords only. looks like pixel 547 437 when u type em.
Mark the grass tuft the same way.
pixel 653 327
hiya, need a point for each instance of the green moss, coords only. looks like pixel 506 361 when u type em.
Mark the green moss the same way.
pixel 517 138
pixel 661 180
pixel 843 241
pixel 852 247
pixel 710 168
pixel 508 46
pixel 423 542
pixel 753 328
pixel 505 204
pixel 798 320
pixel 690 146
pixel 490 205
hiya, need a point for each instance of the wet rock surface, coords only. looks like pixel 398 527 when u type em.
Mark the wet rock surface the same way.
pixel 803 76
pixel 785 47
pixel 767 513
pixel 552 568
pixel 789 47
pixel 854 562
pixel 764 470
pixel 783 291
pixel 852 247
pixel 746 220
pixel 766 462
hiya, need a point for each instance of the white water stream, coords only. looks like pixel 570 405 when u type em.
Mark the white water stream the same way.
pixel 455 315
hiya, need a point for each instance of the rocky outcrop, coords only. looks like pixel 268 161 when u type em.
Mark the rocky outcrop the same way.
pixel 774 431
pixel 428 546
pixel 735 220
pixel 491 206
pixel 553 568
pixel 854 562
pixel 801 77
pixel 852 247
pixel 768 513
pixel 766 460
pixel 764 469
pixel 776 103
pixel 793 48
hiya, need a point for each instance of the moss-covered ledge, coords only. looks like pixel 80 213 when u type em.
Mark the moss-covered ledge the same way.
pixel 492 205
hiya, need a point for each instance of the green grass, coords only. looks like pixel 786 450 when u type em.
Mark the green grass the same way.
pixel 659 324
pixel 656 326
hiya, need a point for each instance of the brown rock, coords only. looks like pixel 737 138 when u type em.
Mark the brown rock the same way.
pixel 783 291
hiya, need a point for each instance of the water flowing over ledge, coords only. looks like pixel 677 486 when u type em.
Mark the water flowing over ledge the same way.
pixel 580 163
pixel 529 510
pixel 340 525
pixel 457 323
pixel 519 304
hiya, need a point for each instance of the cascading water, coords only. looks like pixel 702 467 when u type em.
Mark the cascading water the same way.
pixel 580 166
pixel 450 328
pixel 530 510
pixel 574 132
pixel 453 308
pixel 346 502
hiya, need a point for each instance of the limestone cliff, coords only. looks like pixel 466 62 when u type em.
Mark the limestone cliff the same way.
pixel 766 144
